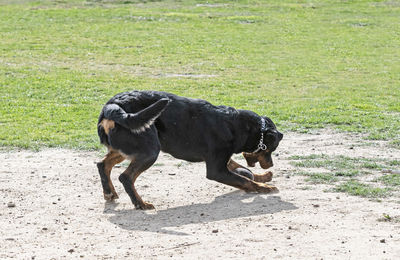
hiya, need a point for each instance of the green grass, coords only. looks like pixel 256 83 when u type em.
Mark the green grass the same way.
pixel 344 165
pixel 305 64
pixel 395 144
pixel 349 173
pixel 346 173
pixel 390 180
pixel 394 163
pixel 387 218
pixel 318 178
pixel 356 188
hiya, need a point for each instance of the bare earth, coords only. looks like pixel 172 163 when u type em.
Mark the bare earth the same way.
pixel 60 213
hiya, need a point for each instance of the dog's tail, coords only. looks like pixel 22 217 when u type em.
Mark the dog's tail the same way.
pixel 136 122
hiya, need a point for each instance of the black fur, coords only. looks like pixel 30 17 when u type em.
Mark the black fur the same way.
pixel 103 178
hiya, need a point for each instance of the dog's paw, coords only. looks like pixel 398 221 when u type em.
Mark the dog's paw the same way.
pixel 110 196
pixel 264 188
pixel 145 206
pixel 266 177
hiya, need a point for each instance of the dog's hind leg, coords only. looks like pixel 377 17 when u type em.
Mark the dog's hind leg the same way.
pixel 105 166
pixel 138 165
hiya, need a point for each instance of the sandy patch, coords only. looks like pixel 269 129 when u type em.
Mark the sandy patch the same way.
pixel 60 212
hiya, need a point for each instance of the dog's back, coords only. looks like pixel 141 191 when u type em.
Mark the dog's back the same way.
pixel 185 126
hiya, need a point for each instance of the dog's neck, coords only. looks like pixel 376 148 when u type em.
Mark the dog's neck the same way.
pixel 263 129
pixel 255 125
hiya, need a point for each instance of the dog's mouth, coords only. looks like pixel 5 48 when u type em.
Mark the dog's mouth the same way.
pixel 252 159
pixel 265 165
pixel 251 164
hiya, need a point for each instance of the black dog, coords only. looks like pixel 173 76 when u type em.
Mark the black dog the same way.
pixel 136 125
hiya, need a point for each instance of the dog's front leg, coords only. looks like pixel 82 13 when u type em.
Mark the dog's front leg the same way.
pixel 265 177
pixel 219 172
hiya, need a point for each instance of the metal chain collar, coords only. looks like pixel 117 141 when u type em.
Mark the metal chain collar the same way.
pixel 261 145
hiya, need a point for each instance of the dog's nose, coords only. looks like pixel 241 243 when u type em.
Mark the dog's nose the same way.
pixel 266 165
pixel 280 136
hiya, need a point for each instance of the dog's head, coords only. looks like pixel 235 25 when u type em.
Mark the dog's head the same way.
pixel 272 137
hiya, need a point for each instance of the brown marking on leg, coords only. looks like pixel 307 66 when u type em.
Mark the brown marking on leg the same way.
pixel 107 125
pixel 239 169
pixel 142 204
pixel 110 160
pixel 266 177
pixel 222 174
pixel 252 186
pixel 232 165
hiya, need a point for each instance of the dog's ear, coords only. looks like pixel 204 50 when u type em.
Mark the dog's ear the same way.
pixel 273 133
pixel 267 125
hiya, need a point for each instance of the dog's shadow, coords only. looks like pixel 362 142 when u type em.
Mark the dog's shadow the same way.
pixel 227 206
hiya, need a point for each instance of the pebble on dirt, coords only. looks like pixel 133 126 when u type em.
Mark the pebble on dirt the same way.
pixel 11 204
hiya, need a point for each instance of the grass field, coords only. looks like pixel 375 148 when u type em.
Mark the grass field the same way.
pixel 346 173
pixel 306 64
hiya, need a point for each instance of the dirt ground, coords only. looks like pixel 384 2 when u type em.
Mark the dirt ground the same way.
pixel 52 207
